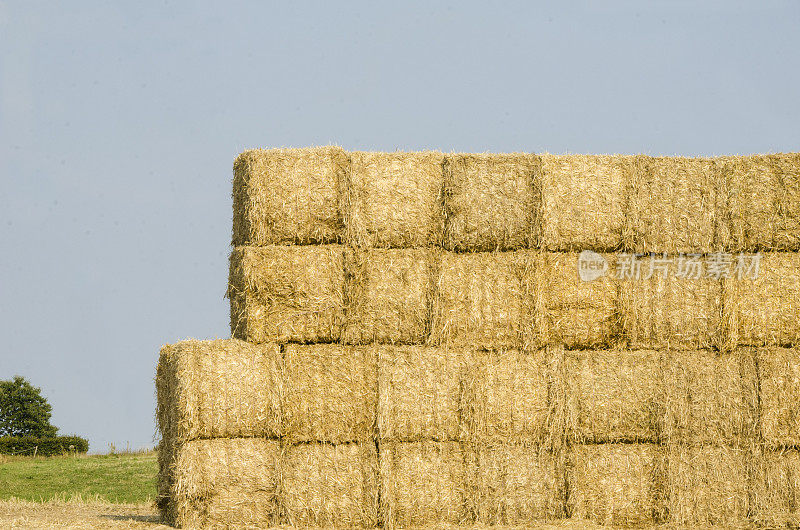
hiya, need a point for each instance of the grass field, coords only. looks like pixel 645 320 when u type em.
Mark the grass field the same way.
pixel 116 478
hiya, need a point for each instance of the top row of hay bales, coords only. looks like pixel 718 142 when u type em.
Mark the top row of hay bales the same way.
pixel 485 202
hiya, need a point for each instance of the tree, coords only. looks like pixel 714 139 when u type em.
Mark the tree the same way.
pixel 23 410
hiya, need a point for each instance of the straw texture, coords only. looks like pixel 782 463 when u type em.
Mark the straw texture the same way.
pixel 288 196
pixel 618 484
pixel 615 396
pixel 584 201
pixel 220 388
pixel 482 300
pixel 766 310
pixel 491 201
pixel 395 199
pixel 330 393
pixel 292 293
pixel 779 379
pixel 388 295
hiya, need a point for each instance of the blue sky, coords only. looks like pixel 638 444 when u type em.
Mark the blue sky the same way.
pixel 119 125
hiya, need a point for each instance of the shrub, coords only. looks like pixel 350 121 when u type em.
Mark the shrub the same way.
pixel 49 446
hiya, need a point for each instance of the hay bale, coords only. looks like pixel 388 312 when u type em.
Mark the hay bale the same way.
pixel 710 397
pixel 288 196
pixel 707 485
pixel 584 201
pixel 779 378
pixel 665 311
pixel 513 484
pixel 777 496
pixel 422 483
pixel 482 300
pixel 388 295
pixel 490 201
pixel 675 205
pixel 569 311
pixel 763 201
pixel 765 311
pixel 223 483
pixel 218 388
pixel 287 293
pixel 617 484
pixel 615 396
pixel 419 392
pixel 395 200
pixel 330 393
pixel 506 396
pixel 327 485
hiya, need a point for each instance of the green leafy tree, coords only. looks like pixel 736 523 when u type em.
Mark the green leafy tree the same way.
pixel 23 410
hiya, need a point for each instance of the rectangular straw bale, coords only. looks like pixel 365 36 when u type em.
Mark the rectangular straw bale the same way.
pixel 763 201
pixel 287 293
pixel 777 495
pixel 618 484
pixel 710 397
pixel 395 200
pixel 223 483
pixel 765 311
pixel 285 196
pixel 507 397
pixel 482 300
pixel 327 485
pixel 584 201
pixel 219 388
pixel 330 393
pixel 388 295
pixel 707 486
pixel 661 310
pixel 513 484
pixel 490 201
pixel 675 205
pixel 779 377
pixel 569 311
pixel 615 396
pixel 419 391
pixel 422 483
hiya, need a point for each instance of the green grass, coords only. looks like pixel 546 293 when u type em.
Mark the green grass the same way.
pixel 123 477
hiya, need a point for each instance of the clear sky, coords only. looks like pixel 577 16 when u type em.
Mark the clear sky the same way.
pixel 119 126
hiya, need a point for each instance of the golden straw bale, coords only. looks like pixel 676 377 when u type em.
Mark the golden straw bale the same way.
pixel 422 483
pixel 707 485
pixel 330 393
pixel 675 205
pixel 513 484
pixel 711 397
pixel 618 484
pixel 395 199
pixel 223 483
pixel 779 376
pixel 327 485
pixel 584 201
pixel 219 388
pixel 388 295
pixel 287 293
pixel 568 310
pixel 765 310
pixel 419 390
pixel 288 196
pixel 776 496
pixel 490 201
pixel 482 300
pixel 615 396
pixel 763 201
pixel 661 310
pixel 506 396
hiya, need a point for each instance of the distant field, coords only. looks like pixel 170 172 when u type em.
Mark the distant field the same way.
pixel 116 478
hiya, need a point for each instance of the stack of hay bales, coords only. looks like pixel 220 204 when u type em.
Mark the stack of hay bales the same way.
pixel 412 347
